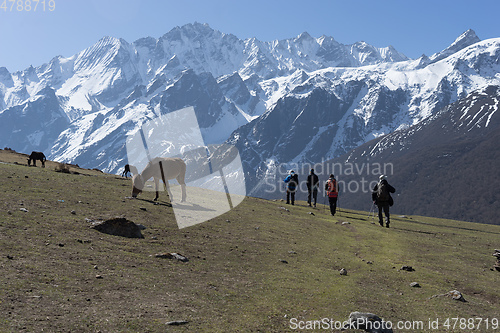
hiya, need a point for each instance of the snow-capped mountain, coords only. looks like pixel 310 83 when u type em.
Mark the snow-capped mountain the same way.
pixel 297 100
pixel 319 115
pixel 444 166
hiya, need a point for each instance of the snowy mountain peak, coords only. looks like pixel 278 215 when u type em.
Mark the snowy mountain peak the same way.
pixel 466 39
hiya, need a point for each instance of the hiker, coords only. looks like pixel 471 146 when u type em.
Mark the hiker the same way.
pixel 381 196
pixel 331 188
pixel 312 187
pixel 292 181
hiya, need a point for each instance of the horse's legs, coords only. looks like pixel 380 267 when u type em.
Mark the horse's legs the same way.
pixel 156 188
pixel 180 179
pixel 43 163
pixel 168 191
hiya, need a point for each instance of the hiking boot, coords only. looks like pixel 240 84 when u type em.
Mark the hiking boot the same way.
pixel 381 224
pixel 387 225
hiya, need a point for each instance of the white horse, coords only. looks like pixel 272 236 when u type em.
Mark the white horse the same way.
pixel 164 168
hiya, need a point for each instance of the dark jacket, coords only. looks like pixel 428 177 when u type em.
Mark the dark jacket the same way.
pixel 375 199
pixel 312 182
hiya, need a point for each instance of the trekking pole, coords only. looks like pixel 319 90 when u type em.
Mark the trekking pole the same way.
pixel 372 212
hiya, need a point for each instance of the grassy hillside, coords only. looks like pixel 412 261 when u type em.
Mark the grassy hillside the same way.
pixel 253 269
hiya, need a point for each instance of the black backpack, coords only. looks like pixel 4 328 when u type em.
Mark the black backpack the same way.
pixel 383 192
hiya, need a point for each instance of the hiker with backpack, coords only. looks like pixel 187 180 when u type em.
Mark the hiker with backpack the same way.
pixel 312 188
pixel 332 191
pixel 292 181
pixel 381 196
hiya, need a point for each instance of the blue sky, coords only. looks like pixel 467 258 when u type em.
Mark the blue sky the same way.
pixel 413 28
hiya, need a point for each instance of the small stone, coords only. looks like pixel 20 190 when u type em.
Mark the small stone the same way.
pixel 369 262
pixel 407 268
pixel 456 295
pixel 415 285
pixel 179 257
pixel 143 208
pixel 177 322
pixel 98 277
pixel 343 271
pixel 283 261
pixel 73 212
pixel 311 213
pixel 346 222
pixel 23 210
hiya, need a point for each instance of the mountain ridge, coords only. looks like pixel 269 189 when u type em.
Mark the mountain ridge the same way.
pixel 243 91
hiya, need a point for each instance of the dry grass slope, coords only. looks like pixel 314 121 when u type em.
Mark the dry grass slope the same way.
pixel 58 275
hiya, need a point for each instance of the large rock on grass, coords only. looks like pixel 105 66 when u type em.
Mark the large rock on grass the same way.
pixel 119 227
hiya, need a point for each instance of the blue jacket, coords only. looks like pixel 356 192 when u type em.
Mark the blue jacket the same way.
pixel 292 181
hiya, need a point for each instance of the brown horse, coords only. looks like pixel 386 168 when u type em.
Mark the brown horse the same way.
pixel 164 168
pixel 37 155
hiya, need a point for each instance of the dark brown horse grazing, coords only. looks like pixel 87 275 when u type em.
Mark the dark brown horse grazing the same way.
pixel 37 155
pixel 171 168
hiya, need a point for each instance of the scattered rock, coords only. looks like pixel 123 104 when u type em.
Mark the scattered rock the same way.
pixel 177 322
pixel 177 256
pixel 23 210
pixel 407 268
pixel 118 227
pixel 311 213
pixel 368 322
pixel 180 257
pixel 10 257
pixel 346 222
pixel 98 277
pixel 292 252
pixel 73 212
pixel 143 208
pixel 415 285
pixel 284 208
pixel 283 261
pixel 369 262
pixel 454 294
pixel 343 271
pixel 497 255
